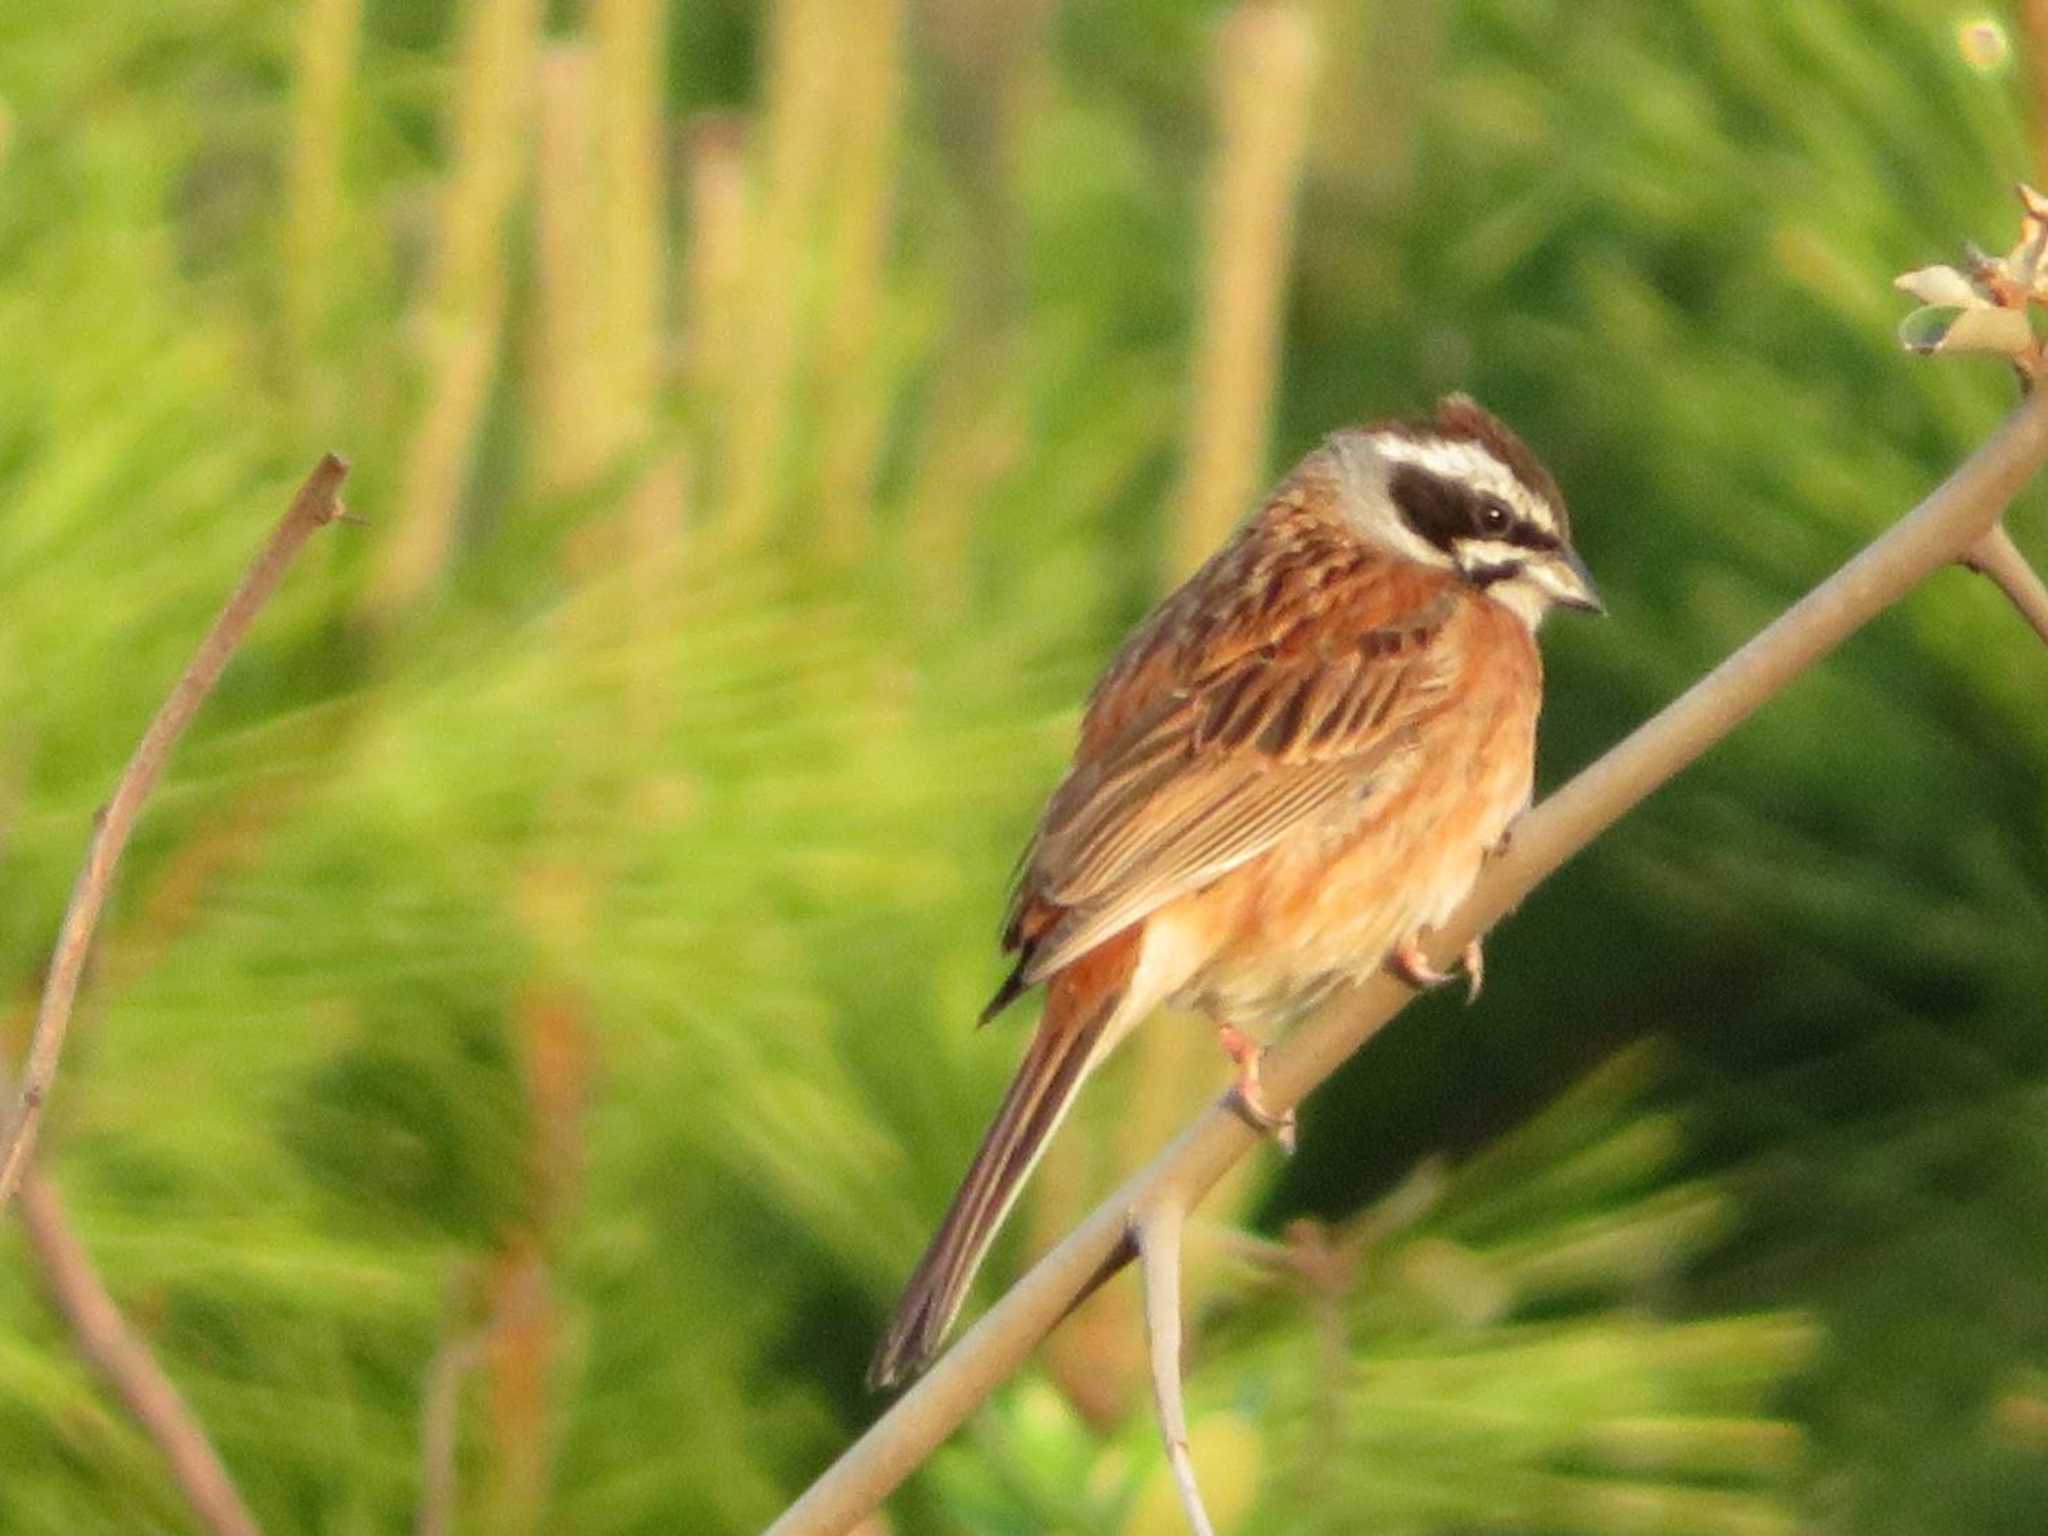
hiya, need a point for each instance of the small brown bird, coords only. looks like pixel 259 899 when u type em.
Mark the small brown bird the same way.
pixel 1294 767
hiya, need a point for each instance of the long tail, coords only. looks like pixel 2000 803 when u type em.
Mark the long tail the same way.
pixel 1080 1007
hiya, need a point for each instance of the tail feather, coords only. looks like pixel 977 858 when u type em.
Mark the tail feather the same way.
pixel 1069 1040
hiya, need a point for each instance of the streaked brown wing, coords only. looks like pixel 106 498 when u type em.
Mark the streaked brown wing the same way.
pixel 1222 729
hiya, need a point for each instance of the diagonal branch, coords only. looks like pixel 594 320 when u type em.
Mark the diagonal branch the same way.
pixel 1955 516
pixel 317 504
pixel 1995 555
pixel 125 1363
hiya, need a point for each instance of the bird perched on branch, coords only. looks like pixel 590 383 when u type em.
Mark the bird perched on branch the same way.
pixel 1291 771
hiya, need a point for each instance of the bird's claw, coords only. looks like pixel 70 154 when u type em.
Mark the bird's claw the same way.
pixel 1246 1052
pixel 1410 964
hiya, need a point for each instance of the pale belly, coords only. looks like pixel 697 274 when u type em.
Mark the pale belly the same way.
pixel 1276 937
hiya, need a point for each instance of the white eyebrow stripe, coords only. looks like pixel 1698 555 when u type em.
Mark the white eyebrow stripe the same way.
pixel 1456 460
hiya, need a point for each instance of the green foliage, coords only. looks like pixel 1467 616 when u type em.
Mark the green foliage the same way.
pixel 1482 1349
pixel 727 825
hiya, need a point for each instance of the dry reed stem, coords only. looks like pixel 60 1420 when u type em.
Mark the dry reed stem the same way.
pixel 572 437
pixel 462 321
pixel 1265 68
pixel 317 504
pixel 804 55
pixel 329 31
pixel 632 218
pixel 868 107
pixel 1948 522
pixel 715 209
pixel 633 226
pixel 124 1362
pixel 993 63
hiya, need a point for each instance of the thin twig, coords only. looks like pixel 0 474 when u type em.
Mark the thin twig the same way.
pixel 441 1407
pixel 317 504
pixel 125 1363
pixel 1157 1235
pixel 1995 555
pixel 1952 518
pixel 440 1420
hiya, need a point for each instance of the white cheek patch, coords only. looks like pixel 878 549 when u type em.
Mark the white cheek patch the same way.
pixel 1477 554
pixel 1522 597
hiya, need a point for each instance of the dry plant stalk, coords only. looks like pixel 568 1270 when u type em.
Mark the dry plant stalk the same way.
pixel 441 1405
pixel 631 225
pixel 571 428
pixel 328 36
pixel 1952 520
pixel 868 108
pixel 317 504
pixel 633 232
pixel 123 1360
pixel 714 174
pixel 440 1432
pixel 804 47
pixel 463 319
pixel 1265 71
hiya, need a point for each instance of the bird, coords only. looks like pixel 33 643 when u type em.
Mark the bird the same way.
pixel 1292 770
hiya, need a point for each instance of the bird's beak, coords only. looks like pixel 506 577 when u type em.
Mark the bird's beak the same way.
pixel 1571 583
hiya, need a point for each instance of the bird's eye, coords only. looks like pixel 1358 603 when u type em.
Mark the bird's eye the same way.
pixel 1494 516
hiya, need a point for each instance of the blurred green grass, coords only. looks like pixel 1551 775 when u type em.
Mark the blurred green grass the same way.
pixel 606 882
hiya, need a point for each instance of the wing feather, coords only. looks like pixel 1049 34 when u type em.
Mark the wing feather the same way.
pixel 1250 734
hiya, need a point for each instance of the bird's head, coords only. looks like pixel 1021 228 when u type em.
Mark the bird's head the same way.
pixel 1460 490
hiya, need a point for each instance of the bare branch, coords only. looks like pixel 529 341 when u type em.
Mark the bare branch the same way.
pixel 1953 517
pixel 1995 555
pixel 441 1399
pixel 317 504
pixel 440 1421
pixel 1157 1235
pixel 125 1363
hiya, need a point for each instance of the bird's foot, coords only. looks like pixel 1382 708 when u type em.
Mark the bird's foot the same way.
pixel 1245 1053
pixel 1410 964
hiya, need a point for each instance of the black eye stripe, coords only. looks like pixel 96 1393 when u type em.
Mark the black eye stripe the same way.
pixel 1529 536
pixel 1437 509
pixel 1445 512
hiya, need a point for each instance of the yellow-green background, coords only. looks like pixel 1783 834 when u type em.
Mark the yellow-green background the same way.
pixel 582 885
